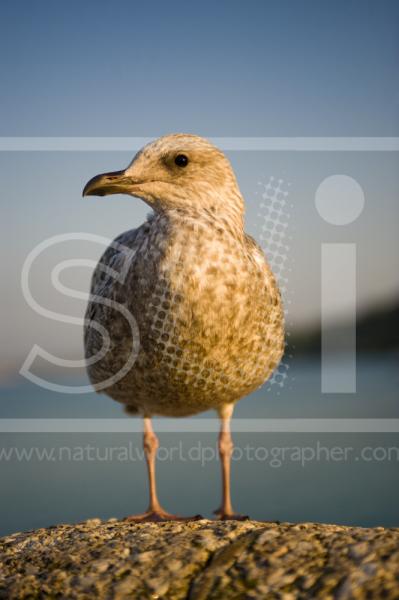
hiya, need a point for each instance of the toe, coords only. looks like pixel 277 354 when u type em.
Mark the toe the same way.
pixel 232 517
pixel 160 516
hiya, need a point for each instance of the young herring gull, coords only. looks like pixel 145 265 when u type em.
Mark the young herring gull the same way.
pixel 184 314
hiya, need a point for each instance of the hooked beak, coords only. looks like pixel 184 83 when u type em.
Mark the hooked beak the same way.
pixel 116 182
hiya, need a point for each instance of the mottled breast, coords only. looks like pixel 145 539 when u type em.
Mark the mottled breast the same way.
pixel 206 308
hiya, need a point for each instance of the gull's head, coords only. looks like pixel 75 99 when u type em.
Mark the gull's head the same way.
pixel 176 171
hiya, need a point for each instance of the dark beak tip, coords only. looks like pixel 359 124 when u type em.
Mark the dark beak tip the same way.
pixel 88 192
pixel 101 185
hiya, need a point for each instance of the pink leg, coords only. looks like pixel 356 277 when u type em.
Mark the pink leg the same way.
pixel 225 512
pixel 155 511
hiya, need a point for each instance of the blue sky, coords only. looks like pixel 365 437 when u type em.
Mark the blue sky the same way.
pixel 309 67
pixel 260 68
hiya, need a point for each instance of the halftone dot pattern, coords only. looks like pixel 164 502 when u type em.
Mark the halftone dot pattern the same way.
pixel 275 239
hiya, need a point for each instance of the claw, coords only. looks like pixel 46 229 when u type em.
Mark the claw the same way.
pixel 222 516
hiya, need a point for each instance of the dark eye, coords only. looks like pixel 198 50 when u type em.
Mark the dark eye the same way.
pixel 181 160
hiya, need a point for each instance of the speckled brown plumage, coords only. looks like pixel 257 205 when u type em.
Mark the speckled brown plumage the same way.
pixel 207 308
pixel 206 304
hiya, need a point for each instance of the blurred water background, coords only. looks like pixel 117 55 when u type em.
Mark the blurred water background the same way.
pixel 305 482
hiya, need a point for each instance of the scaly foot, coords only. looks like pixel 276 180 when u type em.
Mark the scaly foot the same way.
pixel 229 516
pixel 160 516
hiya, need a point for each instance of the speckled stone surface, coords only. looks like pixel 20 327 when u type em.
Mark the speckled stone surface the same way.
pixel 200 560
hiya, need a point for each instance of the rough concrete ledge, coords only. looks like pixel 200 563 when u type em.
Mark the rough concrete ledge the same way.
pixel 200 560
